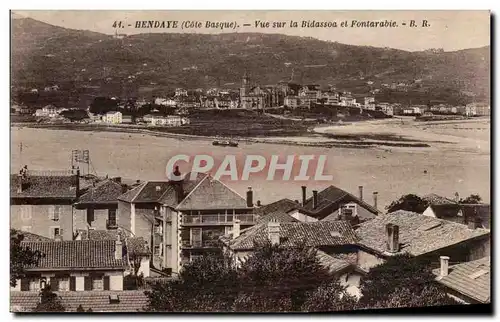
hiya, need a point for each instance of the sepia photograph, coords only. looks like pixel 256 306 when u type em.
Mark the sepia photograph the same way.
pixel 257 161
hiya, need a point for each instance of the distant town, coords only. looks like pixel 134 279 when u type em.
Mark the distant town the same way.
pixel 284 98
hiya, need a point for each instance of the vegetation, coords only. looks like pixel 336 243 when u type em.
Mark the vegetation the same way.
pixel 162 62
pixel 49 302
pixel 20 257
pixel 409 202
pixel 273 279
pixel 278 279
pixel 402 281
pixel 472 199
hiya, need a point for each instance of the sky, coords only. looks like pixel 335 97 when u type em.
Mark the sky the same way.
pixel 450 30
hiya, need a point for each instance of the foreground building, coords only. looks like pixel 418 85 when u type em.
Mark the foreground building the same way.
pixel 182 220
pixel 334 241
pixel 421 236
pixel 98 301
pixel 41 202
pixel 469 282
pixel 76 265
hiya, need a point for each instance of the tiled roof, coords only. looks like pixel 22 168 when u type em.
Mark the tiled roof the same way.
pixel 283 205
pixel 76 254
pixel 44 187
pixel 98 301
pixel 334 196
pixel 159 191
pixel 334 265
pixel 212 194
pixel 435 199
pixel 313 234
pixel 30 237
pixel 418 234
pixel 278 216
pixel 471 279
pixel 106 191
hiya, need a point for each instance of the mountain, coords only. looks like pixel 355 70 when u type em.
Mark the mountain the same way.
pixel 43 54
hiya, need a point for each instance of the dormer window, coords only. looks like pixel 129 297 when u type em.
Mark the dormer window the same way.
pixel 158 188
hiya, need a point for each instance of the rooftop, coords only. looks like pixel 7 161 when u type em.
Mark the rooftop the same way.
pixel 418 234
pixel 159 191
pixel 44 187
pixel 332 196
pixel 472 279
pixel 212 194
pixel 313 234
pixel 98 301
pixel 76 254
pixel 106 191
pixel 279 216
pixel 283 205
pixel 30 237
pixel 435 199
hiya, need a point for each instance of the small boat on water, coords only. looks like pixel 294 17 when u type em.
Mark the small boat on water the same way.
pixel 225 143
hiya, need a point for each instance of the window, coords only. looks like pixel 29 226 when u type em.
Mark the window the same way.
pixel 55 232
pixel 55 213
pixel 26 212
pixel 97 283
pixel 157 251
pixel 112 216
pixel 34 284
pixel 63 283
pixel 196 237
pixel 90 216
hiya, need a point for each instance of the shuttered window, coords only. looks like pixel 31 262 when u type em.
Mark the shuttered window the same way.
pixel 25 284
pixel 54 284
pixel 106 283
pixel 87 283
pixel 72 283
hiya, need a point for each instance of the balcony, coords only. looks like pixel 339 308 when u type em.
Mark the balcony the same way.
pixel 192 244
pixel 111 224
pixel 218 219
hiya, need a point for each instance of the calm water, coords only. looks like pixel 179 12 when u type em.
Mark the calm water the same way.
pixel 137 156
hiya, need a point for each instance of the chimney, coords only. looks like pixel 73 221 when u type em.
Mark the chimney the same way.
pixel 360 193
pixel 444 260
pixel 249 197
pixel 259 204
pixel 19 183
pixel 457 197
pixel 118 248
pixel 236 228
pixel 392 234
pixel 375 195
pixel 273 232
pixel 304 195
pixel 178 187
pixel 315 199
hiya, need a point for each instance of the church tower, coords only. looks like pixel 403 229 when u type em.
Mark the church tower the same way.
pixel 244 85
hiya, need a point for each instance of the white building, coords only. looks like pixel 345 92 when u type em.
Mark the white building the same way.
pixel 112 117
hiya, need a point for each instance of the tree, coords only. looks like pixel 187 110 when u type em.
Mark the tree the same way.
pixel 207 284
pixel 472 199
pixel 281 276
pixel 408 202
pixel 330 297
pixel 402 281
pixel 49 302
pixel 20 257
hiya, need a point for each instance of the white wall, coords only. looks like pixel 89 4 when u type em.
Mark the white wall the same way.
pixel 429 212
